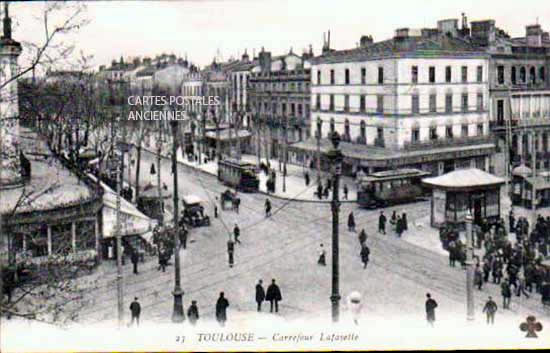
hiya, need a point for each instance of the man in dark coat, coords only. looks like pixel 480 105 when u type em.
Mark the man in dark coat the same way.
pixel 260 294
pixel 135 308
pixel 221 309
pixel 365 252
pixel 135 260
pixel 230 251
pixel 273 296
pixel 319 191
pixel 267 208
pixel 404 221
pixel 193 313
pixel 478 277
pixel 362 237
pixel 306 177
pixel 382 223
pixel 490 309
pixel 399 226
pixel 430 309
pixel 236 233
pixel 351 222
pixel 182 233
pixel 345 192
pixel 506 292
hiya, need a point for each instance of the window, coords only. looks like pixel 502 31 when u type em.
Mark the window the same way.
pixel 331 104
pixel 432 74
pixel 415 135
pixel 319 127
pixel 415 104
pixel 299 110
pixel 479 129
pixel 363 132
pixel 433 133
pixel 283 108
pixel 274 108
pixel 347 76
pixel 346 103
pixel 523 75
pixel 500 112
pixel 363 75
pixel 318 102
pixel 532 76
pixel 433 103
pixel 380 133
pixel 480 102
pixel 414 74
pixel 448 74
pixel 292 109
pixel 464 104
pixel 331 77
pixel 380 103
pixel 346 129
pixel 464 73
pixel 448 103
pixel 362 100
pixel 331 127
pixel 380 75
pixel 480 73
pixel 318 77
pixel 542 74
pixel 449 132
pixel 513 75
pixel 464 130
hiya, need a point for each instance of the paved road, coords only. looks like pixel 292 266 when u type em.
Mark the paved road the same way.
pixel 285 247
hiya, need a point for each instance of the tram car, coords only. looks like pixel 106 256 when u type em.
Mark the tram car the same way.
pixel 390 187
pixel 239 175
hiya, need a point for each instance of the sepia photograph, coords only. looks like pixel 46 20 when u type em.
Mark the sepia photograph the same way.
pixel 274 175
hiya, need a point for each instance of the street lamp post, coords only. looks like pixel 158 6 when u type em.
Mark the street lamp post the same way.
pixel 469 268
pixel 336 158
pixel 318 137
pixel 177 314
pixel 285 151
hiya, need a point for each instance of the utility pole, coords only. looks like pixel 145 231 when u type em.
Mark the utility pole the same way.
pixel 285 151
pixel 469 268
pixel 258 137
pixel 336 158
pixel 318 136
pixel 177 314
pixel 120 299
pixel 534 184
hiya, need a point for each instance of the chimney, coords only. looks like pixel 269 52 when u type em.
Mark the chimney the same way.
pixel 7 22
pixel 533 35
pixel 245 57
pixel 326 44
pixel 265 60
pixel 365 41
pixel 449 26
pixel 483 32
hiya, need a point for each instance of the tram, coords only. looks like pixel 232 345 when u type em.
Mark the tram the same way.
pixel 390 187
pixel 240 175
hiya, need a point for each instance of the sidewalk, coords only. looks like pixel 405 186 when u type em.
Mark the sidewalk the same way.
pixel 295 183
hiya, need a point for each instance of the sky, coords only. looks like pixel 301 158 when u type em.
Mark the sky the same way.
pixel 201 28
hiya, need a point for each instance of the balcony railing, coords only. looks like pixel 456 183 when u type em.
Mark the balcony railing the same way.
pixel 439 143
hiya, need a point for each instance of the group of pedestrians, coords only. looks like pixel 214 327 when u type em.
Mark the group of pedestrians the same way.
pixel 273 296
pixel 490 308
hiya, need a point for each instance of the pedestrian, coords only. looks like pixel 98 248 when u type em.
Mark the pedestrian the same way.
pixel 193 313
pixel 405 223
pixel 506 293
pixel 135 309
pixel 306 177
pixel 221 309
pixel 322 256
pixel 162 261
pixel 430 309
pixel 365 252
pixel 346 191
pixel 267 208
pixel 236 233
pixel 216 208
pixel 355 305
pixel 182 233
pixel 164 186
pixel 382 223
pixel 490 309
pixel 393 219
pixel 351 222
pixel 362 237
pixel 520 288
pixel 135 260
pixel 325 192
pixel 399 226
pixel 237 204
pixel 273 296
pixel 230 251
pixel 260 294
pixel 478 277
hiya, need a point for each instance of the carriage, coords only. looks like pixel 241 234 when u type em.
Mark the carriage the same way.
pixel 390 187
pixel 240 175
pixel 193 212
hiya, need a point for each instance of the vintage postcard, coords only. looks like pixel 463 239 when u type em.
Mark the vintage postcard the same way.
pixel 274 175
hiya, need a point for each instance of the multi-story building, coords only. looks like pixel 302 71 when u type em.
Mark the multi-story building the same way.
pixel 239 76
pixel 419 99
pixel 279 99
pixel 519 93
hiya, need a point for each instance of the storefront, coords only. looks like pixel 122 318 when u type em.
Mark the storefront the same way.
pixel 464 191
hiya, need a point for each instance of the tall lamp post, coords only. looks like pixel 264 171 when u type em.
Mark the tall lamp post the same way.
pixel 318 138
pixel 285 150
pixel 177 314
pixel 469 268
pixel 335 156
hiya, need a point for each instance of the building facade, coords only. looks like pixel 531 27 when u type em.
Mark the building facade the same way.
pixel 418 100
